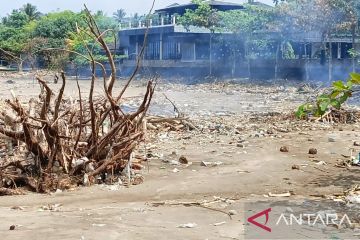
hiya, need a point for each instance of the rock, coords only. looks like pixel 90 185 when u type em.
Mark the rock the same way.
pixel 295 167
pixel 331 139
pixel 357 144
pixel 270 131
pixel 10 82
pixel 12 227
pixel 183 160
pixel 284 149
pixel 313 151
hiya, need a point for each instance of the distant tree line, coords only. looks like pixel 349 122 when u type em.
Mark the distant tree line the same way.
pixel 25 33
pixel 29 35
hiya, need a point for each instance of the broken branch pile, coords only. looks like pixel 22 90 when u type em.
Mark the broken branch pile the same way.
pixel 71 142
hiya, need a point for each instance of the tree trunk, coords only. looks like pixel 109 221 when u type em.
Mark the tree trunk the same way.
pixel 210 56
pixel 330 61
pixel 233 63
pixel 306 64
pixel 277 61
pixel 20 66
pixel 247 57
pixel 353 29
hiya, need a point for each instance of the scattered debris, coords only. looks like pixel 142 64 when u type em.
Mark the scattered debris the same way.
pixel 187 225
pixel 295 167
pixel 204 204
pixel 351 195
pixel 210 164
pixel 7 191
pixel 17 208
pixel 98 225
pixel 51 207
pixel 357 144
pixel 288 194
pixel 353 199
pixel 233 212
pixel 219 223
pixel 137 179
pixel 169 124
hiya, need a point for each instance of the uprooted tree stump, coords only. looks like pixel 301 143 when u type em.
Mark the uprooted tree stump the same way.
pixel 72 142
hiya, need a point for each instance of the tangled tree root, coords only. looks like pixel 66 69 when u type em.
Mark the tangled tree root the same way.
pixel 71 142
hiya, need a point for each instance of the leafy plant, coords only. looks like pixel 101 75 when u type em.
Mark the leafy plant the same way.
pixel 339 94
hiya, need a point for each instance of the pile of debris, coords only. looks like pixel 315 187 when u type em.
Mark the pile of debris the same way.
pixel 344 116
pixel 69 142
pixel 169 124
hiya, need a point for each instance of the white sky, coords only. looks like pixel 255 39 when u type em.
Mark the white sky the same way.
pixel 108 6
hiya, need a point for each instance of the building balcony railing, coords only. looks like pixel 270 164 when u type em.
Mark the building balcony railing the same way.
pixel 153 22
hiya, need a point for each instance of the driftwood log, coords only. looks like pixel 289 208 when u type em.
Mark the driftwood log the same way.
pixel 72 142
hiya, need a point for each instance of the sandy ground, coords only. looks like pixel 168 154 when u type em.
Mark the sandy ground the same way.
pixel 233 134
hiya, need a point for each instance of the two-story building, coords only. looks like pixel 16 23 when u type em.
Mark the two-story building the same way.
pixel 172 46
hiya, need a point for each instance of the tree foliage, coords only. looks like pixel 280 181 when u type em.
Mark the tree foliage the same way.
pixel 119 15
pixel 202 16
pixel 25 33
pixel 16 19
pixel 31 12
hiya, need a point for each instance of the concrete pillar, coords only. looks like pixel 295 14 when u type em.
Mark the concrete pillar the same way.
pixel 137 49
pixel 339 50
pixel 178 50
pixel 173 19
pixel 161 46
pixel 162 21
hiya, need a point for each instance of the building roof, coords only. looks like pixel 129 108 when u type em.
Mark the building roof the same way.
pixel 181 8
pixel 260 4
